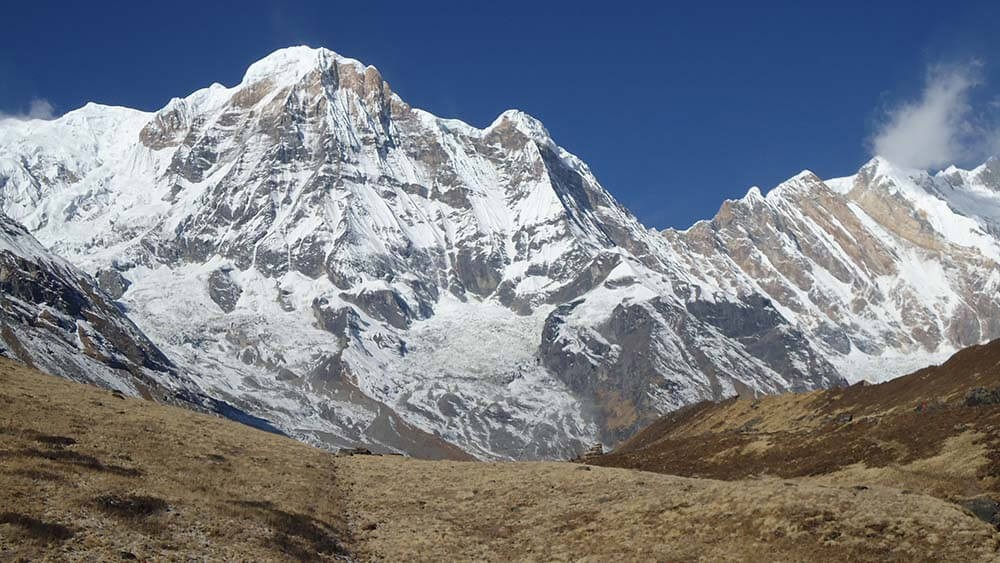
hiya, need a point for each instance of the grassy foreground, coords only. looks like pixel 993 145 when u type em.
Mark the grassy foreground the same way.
pixel 87 475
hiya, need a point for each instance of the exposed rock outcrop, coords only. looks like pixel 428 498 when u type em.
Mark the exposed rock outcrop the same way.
pixel 112 282
pixel 224 290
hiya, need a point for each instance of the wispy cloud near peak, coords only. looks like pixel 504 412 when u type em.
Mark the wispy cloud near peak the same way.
pixel 942 127
pixel 38 108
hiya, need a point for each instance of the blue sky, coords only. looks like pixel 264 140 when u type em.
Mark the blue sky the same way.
pixel 675 106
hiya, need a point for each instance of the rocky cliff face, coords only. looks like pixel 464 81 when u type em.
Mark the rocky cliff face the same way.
pixel 55 318
pixel 58 319
pixel 357 270
pixel 885 270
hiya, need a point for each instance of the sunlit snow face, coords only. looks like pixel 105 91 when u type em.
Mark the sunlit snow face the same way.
pixel 480 284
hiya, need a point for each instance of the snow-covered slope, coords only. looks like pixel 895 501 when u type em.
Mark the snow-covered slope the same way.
pixel 53 317
pixel 356 270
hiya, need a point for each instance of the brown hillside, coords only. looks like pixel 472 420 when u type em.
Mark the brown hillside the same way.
pixel 88 475
pixel 928 431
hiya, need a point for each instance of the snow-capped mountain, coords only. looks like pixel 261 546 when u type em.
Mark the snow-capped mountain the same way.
pixel 886 271
pixel 314 250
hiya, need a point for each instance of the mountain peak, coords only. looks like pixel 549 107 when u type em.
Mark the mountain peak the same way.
pixel 294 62
pixel 802 182
pixel 881 166
pixel 524 123
pixel 753 195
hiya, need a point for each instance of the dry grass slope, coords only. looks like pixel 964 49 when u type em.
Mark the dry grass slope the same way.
pixel 88 475
pixel 412 510
pixel 920 432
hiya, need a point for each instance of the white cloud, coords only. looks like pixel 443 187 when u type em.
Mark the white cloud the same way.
pixel 940 128
pixel 38 108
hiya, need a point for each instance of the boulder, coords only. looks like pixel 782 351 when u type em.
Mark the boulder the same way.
pixel 981 396
pixel 223 290
pixel 112 282
pixel 986 509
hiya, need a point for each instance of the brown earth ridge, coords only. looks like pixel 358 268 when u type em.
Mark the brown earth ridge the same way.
pixel 936 431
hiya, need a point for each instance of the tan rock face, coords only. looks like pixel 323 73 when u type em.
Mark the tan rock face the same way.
pixel 167 129
pixel 835 219
pixel 897 214
pixel 252 94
